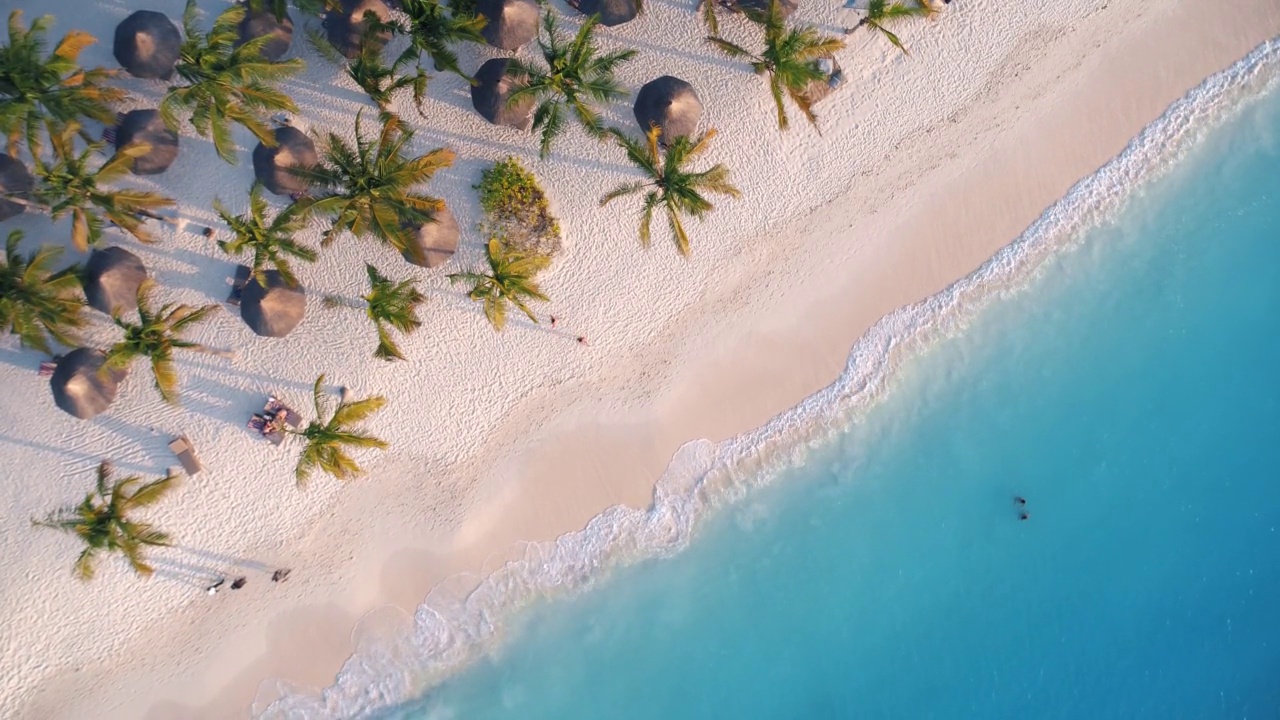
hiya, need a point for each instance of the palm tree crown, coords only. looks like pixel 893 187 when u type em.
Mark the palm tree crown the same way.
pixel 392 305
pixel 103 520
pixel 37 304
pixel 790 59
pixel 50 91
pixel 371 186
pixel 156 335
pixel 381 81
pixel 881 11
pixel 69 185
pixel 576 76
pixel 670 186
pixel 510 279
pixel 432 30
pixel 225 83
pixel 327 440
pixel 270 241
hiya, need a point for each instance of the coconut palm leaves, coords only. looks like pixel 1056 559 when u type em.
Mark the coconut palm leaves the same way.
pixel 37 304
pixel 509 281
pixel 103 521
pixel 328 440
pixel 392 305
pixel 49 91
pixel 790 59
pixel 269 241
pixel 70 185
pixel 381 81
pixel 155 335
pixel 881 11
pixel 226 84
pixel 670 186
pixel 577 74
pixel 432 30
pixel 371 186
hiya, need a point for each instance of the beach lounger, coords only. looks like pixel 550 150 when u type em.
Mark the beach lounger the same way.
pixel 186 453
pixel 47 367
pixel 274 405
pixel 237 285
pixel 258 424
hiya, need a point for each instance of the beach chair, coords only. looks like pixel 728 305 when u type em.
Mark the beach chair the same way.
pixel 258 423
pixel 47 367
pixel 237 285
pixel 109 132
pixel 186 453
pixel 275 405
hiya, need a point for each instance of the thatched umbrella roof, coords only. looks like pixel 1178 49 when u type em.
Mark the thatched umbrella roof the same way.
pixel 147 44
pixel 434 242
pixel 271 164
pixel 510 24
pixel 611 12
pixel 79 388
pixel 489 96
pixel 147 126
pixel 15 179
pixel 261 22
pixel 273 311
pixel 758 10
pixel 345 28
pixel 111 280
pixel 671 104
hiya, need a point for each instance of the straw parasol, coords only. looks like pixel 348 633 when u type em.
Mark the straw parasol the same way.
pixel 15 180
pixel 78 386
pixel 611 12
pixel 434 242
pixel 273 311
pixel 271 164
pixel 147 44
pixel 758 10
pixel 510 24
pixel 147 126
pixel 345 27
pixel 260 22
pixel 671 104
pixel 490 92
pixel 111 280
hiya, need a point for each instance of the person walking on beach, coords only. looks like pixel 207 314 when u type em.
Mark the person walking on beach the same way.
pixel 582 340
pixel 553 321
pixel 280 575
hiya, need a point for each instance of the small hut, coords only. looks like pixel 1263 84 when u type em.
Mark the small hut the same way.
pixel 671 104
pixel 262 22
pixel 15 181
pixel 490 94
pixel 509 24
pixel 272 165
pixel 147 45
pixel 273 311
pixel 434 242
pixel 758 10
pixel 345 27
pixel 80 388
pixel 111 280
pixel 147 126
pixel 611 12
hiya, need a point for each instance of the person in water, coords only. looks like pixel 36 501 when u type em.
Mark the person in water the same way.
pixel 1019 500
pixel 1024 516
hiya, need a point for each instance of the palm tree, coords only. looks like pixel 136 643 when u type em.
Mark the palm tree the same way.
pixel 102 520
pixel 37 304
pixel 156 335
pixel 432 30
pixel 327 440
pixel 670 186
pixel 49 91
pixel 576 76
pixel 225 83
pixel 882 11
pixel 381 81
pixel 308 7
pixel 390 305
pixel 510 280
pixel 790 59
pixel 371 185
pixel 68 185
pixel 270 241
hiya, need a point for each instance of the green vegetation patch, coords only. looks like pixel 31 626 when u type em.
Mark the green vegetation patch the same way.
pixel 516 210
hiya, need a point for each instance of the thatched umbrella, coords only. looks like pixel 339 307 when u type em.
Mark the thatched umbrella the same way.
pixel 15 180
pixel 78 386
pixel 111 280
pixel 345 27
pixel 434 242
pixel 147 44
pixel 671 104
pixel 271 164
pixel 261 22
pixel 147 126
pixel 758 10
pixel 611 12
pixel 273 311
pixel 510 24
pixel 490 92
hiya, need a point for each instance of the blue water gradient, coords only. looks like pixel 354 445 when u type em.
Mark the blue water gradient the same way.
pixel 1130 395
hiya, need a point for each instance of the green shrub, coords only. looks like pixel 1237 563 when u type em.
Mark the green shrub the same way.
pixel 516 210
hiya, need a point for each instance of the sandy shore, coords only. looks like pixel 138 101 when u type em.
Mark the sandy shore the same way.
pixel 925 168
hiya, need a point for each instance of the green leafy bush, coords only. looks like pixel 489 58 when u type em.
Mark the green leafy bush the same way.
pixel 516 210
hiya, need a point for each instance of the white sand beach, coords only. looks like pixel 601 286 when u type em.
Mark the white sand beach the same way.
pixel 925 166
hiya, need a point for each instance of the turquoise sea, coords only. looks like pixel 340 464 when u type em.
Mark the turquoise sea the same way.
pixel 1129 391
